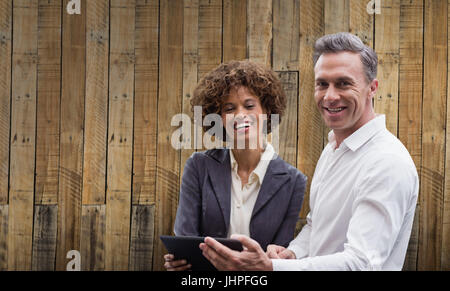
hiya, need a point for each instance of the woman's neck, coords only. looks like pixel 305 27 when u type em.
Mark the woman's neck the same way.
pixel 247 159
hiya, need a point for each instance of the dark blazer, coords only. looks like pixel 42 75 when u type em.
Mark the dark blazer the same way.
pixel 205 199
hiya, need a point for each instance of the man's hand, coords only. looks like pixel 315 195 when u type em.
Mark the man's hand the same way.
pixel 279 252
pixel 252 258
pixel 178 265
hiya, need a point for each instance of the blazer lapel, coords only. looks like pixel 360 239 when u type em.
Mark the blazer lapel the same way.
pixel 275 177
pixel 220 178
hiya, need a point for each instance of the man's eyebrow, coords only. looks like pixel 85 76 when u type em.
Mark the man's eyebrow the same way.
pixel 348 79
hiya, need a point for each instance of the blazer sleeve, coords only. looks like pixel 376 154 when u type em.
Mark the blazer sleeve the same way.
pixel 187 221
pixel 286 231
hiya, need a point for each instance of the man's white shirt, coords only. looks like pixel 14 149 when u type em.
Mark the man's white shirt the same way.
pixel 362 202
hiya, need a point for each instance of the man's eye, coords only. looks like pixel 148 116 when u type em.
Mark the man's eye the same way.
pixel 343 83
pixel 321 84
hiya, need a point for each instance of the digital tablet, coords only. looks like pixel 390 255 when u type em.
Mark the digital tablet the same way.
pixel 187 248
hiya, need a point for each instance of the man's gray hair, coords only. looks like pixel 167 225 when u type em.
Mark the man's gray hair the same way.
pixel 344 41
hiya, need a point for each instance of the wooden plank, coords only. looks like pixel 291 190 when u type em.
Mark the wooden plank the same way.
pixel 4 237
pixel 48 101
pixel 337 16
pixel 96 110
pixel 23 131
pixel 445 252
pixel 410 263
pixel 169 104
pixel 446 234
pixel 310 124
pixel 5 95
pixel 411 74
pixel 410 98
pixel 387 26
pixel 190 72
pixel 361 22
pixel 234 30
pixel 93 225
pixel 433 138
pixel 120 135
pixel 259 31
pixel 71 133
pixel 286 35
pixel 44 237
pixel 142 236
pixel 209 35
pixel 288 125
pixel 146 100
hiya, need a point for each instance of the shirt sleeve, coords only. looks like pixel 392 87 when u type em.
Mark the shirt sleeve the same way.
pixel 381 202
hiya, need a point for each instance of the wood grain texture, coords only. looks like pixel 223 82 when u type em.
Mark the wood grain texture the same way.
pixel 433 138
pixel 44 237
pixel 286 35
pixel 190 75
pixel 445 252
pixel 234 30
pixel 93 228
pixel 23 132
pixel 71 133
pixel 387 26
pixel 142 237
pixel 259 31
pixel 145 101
pixel 288 125
pixel 337 16
pixel 96 103
pixel 410 98
pixel 360 22
pixel 209 35
pixel 5 95
pixel 310 124
pixel 410 263
pixel 169 104
pixel 120 135
pixel 48 101
pixel 4 215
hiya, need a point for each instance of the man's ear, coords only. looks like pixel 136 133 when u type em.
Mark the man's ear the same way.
pixel 373 88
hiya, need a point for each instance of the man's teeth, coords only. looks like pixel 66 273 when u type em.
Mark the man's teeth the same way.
pixel 335 109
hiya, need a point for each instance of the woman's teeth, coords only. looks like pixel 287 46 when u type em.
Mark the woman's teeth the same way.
pixel 242 125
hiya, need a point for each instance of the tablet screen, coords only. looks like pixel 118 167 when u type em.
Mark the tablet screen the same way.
pixel 187 248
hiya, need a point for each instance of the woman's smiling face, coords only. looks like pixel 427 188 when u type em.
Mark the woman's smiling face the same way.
pixel 243 116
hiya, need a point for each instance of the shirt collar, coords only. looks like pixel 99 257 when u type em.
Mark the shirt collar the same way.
pixel 263 163
pixel 363 134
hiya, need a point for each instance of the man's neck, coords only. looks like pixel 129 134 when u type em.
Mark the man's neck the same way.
pixel 341 135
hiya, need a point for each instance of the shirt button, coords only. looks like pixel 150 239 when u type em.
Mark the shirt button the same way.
pixel 238 205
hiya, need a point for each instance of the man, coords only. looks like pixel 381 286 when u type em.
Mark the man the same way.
pixel 365 186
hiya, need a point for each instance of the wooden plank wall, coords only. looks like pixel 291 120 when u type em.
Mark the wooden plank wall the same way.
pixel 86 102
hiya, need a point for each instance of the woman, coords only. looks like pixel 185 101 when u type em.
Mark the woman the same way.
pixel 247 189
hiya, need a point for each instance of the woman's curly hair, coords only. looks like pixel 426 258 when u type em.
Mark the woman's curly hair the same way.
pixel 259 80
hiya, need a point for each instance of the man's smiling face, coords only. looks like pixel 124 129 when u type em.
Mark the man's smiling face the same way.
pixel 342 93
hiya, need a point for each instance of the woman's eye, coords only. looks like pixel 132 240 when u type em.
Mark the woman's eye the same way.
pixel 228 109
